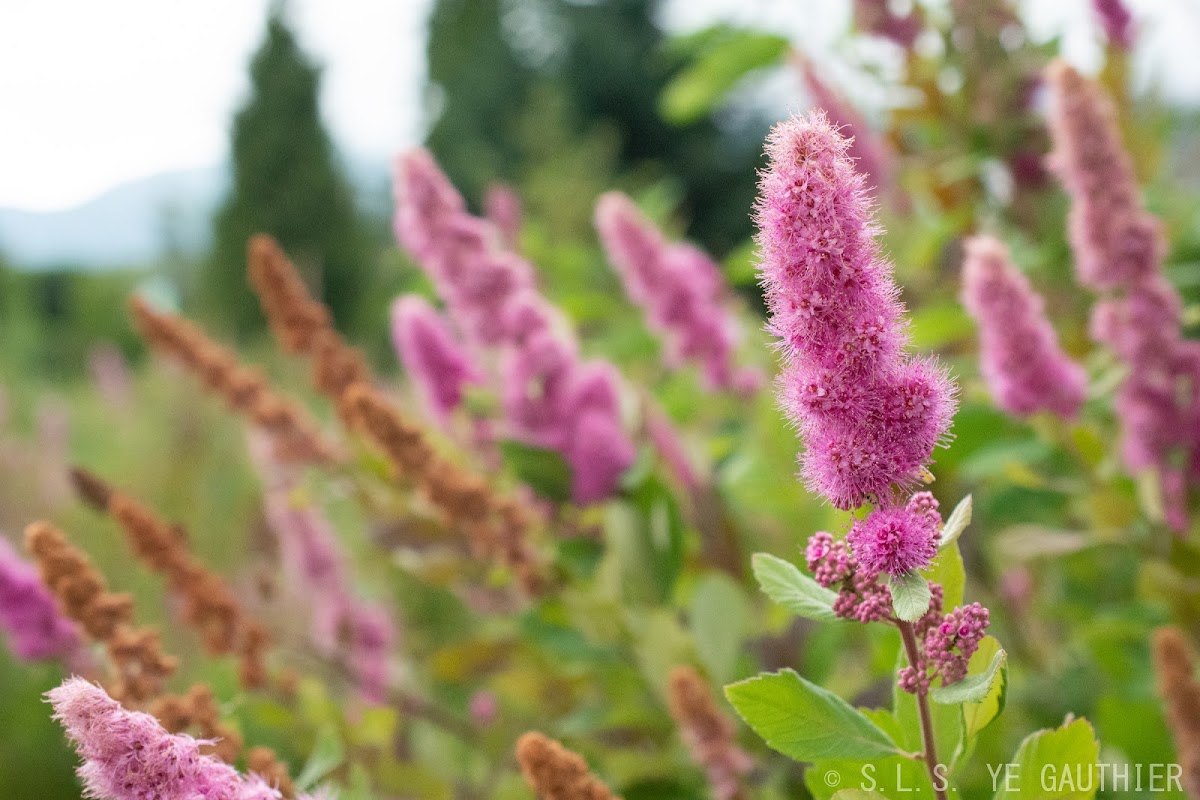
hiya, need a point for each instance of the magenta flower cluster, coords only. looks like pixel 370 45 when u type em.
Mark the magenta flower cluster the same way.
pixel 1021 361
pixel 29 615
pixel 897 539
pixel 502 207
pixel 127 755
pixel 1119 248
pixel 869 413
pixel 879 18
pixel 552 397
pixel 680 289
pixel 361 633
pixel 431 353
pixel 948 642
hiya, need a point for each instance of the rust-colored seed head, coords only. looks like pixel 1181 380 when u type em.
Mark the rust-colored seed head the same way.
pixel 91 488
pixel 209 604
pixel 245 389
pixel 77 583
pixel 708 733
pixel 556 773
pixel 294 316
pixel 197 712
pixel 1177 684
pixel 263 761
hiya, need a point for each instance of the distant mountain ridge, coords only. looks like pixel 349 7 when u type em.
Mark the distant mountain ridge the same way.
pixel 136 223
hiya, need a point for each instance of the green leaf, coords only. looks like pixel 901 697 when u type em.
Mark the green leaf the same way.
pixel 977 716
pixel 783 582
pixel 910 596
pixel 660 533
pixel 973 688
pixel 721 59
pixel 326 756
pixel 545 471
pixel 958 521
pixel 948 571
pixel 720 617
pixel 1053 764
pixel 806 722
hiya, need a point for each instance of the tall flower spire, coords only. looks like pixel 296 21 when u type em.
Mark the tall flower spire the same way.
pixel 1023 365
pixel 127 755
pixel 1119 248
pixel 869 413
pixel 680 289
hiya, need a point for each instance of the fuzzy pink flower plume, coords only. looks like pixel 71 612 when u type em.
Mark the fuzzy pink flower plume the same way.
pixel 491 295
pixel 29 616
pixel 680 289
pixel 1022 362
pixel 432 355
pixel 127 755
pixel 1119 248
pixel 869 414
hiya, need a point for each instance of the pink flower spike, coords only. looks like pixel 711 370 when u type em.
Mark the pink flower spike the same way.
pixel 869 414
pixel 437 362
pixel 127 755
pixel 1022 362
pixel 29 615
pixel 599 454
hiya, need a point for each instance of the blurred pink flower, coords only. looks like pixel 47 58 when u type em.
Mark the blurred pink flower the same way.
pixel 29 615
pixel 437 362
pixel 502 207
pixel 1022 362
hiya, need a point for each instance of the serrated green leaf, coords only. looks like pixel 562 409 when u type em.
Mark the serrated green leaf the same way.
pixel 977 716
pixel 783 582
pixel 958 521
pixel 910 595
pixel 973 688
pixel 544 471
pixel 807 722
pixel 947 570
pixel 1053 765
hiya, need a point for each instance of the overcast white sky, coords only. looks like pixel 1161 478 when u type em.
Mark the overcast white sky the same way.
pixel 93 94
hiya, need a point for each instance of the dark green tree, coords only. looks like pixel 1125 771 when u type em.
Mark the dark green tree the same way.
pixel 286 181
pixel 491 61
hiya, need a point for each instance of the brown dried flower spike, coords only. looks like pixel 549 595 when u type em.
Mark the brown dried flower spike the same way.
pixel 1180 691
pixel 140 667
pixel 556 773
pixel 209 604
pixel 245 389
pixel 708 733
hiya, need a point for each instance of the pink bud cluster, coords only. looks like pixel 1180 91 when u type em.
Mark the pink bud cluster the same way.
pixel 361 632
pixel 948 642
pixel 29 614
pixel 127 755
pixel 432 355
pixel 552 398
pixel 869 413
pixel 1119 248
pixel 1021 360
pixel 680 289
pixel 860 595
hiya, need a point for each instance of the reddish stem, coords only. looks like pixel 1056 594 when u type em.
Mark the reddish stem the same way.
pixel 909 637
